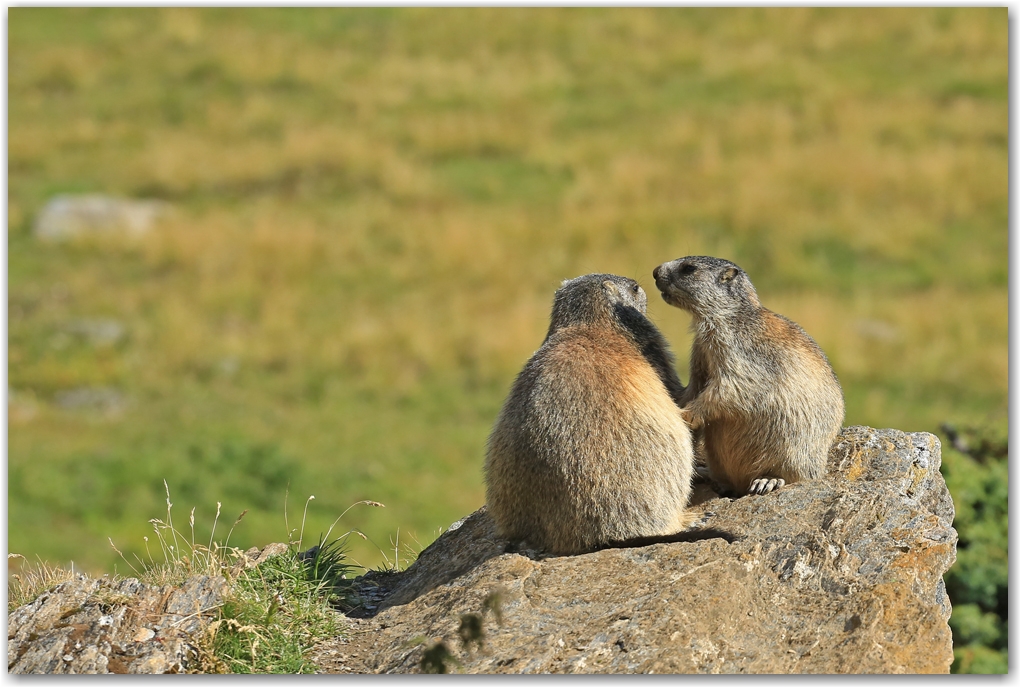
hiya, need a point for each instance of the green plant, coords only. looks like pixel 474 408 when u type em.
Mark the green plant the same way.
pixel 281 607
pixel 327 564
pixel 975 465
pixel 438 659
pixel 275 613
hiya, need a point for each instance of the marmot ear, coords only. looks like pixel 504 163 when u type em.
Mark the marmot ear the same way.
pixel 612 290
pixel 728 275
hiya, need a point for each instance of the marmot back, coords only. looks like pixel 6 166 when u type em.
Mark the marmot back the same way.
pixel 764 392
pixel 590 447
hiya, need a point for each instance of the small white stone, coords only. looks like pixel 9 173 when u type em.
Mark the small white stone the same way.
pixel 802 569
pixel 106 621
pixel 65 216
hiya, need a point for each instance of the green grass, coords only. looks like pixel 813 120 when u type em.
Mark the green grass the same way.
pixel 374 207
pixel 275 614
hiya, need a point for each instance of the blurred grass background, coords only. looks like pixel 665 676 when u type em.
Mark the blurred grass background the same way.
pixel 373 207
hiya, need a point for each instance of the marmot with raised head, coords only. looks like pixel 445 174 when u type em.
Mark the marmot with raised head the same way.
pixel 761 391
pixel 590 448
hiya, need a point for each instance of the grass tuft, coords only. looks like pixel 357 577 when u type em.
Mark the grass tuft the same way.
pixel 275 614
pixel 25 586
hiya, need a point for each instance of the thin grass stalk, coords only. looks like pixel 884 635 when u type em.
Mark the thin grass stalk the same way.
pixel 110 539
pixel 169 515
pixel 374 504
pixel 226 543
pixel 215 520
pixel 301 537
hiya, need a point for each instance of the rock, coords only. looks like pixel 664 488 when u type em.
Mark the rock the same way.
pixel 254 557
pixel 475 542
pixel 102 626
pixel 102 399
pixel 21 406
pixel 67 216
pixel 99 332
pixel 838 575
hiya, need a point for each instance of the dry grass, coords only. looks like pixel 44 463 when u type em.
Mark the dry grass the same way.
pixel 375 206
pixel 32 579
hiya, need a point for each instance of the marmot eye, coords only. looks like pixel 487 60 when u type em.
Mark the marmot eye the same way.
pixel 687 268
pixel 635 288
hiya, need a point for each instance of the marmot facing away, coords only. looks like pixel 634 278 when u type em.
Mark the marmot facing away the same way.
pixel 760 387
pixel 590 447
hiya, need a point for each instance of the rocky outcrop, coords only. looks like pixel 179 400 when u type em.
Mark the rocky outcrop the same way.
pixel 837 575
pixel 102 625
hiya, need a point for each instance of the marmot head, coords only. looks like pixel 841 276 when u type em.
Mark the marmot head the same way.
pixel 595 298
pixel 705 287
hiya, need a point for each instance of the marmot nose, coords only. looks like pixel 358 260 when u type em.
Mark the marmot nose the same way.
pixel 655 273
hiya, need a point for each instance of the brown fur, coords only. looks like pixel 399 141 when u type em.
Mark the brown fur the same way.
pixel 590 447
pixel 763 392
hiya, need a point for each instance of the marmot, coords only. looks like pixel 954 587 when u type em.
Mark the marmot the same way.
pixel 590 447
pixel 761 389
